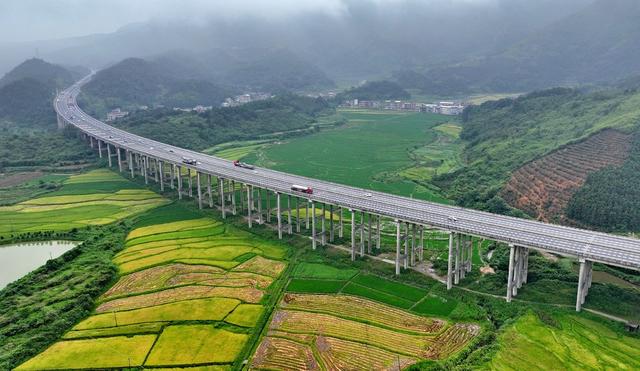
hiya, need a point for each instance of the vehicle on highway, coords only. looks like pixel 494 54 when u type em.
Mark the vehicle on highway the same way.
pixel 170 150
pixel 368 194
pixel 243 165
pixel 303 189
pixel 452 218
pixel 189 161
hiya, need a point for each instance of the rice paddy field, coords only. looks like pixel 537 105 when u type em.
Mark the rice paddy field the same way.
pixel 97 197
pixel 311 331
pixel 191 293
pixel 399 155
pixel 575 342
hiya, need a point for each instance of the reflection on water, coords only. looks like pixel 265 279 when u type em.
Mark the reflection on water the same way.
pixel 19 259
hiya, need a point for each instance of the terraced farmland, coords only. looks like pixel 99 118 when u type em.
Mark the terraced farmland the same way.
pixel 190 293
pixel 310 331
pixel 543 188
pixel 94 198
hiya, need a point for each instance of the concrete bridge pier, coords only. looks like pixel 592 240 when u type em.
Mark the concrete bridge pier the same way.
pixel 199 190
pixel 279 216
pixel 307 216
pixel 234 206
pixel 369 233
pixel 340 222
pixel 161 174
pixel 190 182
pixel 313 223
pixel 179 178
pixel 130 160
pixel 517 275
pixel 378 232
pixel 456 273
pixel 585 277
pixel 298 215
pixel 289 219
pixel 331 226
pixel 145 167
pixel 172 171
pixel 353 234
pixel 398 242
pixel 223 209
pixel 209 194
pixel 361 230
pixel 421 248
pixel 405 256
pixel 414 229
pixel 323 229
pixel 109 154
pixel 450 262
pixel 260 216
pixel 249 205
pixel 91 142
pixel 119 159
pixel 100 148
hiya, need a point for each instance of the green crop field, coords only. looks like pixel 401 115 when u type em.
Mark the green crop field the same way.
pixel 190 292
pixel 370 151
pixel 564 341
pixel 94 198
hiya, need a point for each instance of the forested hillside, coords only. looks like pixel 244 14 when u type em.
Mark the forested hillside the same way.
pixel 504 135
pixel 27 92
pixel 200 131
pixel 610 198
pixel 135 82
pixel 596 44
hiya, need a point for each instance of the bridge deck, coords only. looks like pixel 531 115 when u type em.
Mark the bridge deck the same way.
pixel 595 246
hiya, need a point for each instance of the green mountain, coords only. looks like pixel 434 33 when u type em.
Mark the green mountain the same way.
pixel 285 113
pixel 504 135
pixel 49 74
pixel 27 92
pixel 134 82
pixel 599 43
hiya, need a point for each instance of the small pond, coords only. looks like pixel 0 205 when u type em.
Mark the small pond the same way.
pixel 19 259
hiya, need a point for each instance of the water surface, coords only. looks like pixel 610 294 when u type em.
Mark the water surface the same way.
pixel 19 259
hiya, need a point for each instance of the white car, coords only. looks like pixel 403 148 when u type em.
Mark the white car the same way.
pixel 452 218
pixel 368 194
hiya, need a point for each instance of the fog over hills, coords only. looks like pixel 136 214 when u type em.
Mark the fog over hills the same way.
pixel 361 40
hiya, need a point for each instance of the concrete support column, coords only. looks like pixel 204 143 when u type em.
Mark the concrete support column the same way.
pixel 269 208
pixel 190 182
pixel 313 223
pixel 297 215
pixel 456 274
pixel 307 215
pixel 413 244
pixel 405 257
pixel 331 227
pixel 512 253
pixel 289 219
pixel 161 174
pixel 341 227
pixel 397 247
pixel 130 160
pixel 223 208
pixel 119 159
pixel 323 238
pixel 378 232
pixel 450 263
pixel 199 188
pixel 172 170
pixel 209 191
pixel 234 208
pixel 353 235
pixel 585 276
pixel 145 162
pixel 249 205
pixel 260 216
pixel 179 177
pixel 369 232
pixel 100 148
pixel 279 211
pixel 421 253
pixel 361 234
pixel 91 142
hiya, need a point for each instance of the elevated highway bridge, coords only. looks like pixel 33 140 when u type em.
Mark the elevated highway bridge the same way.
pixel 172 166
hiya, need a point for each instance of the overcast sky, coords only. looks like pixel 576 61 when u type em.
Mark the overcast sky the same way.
pixel 27 20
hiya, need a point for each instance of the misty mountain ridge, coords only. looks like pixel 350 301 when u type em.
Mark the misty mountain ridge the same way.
pixel 27 92
pixel 598 44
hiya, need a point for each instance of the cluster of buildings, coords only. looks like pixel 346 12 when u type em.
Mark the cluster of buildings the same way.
pixel 198 109
pixel 239 100
pixel 116 114
pixel 443 108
